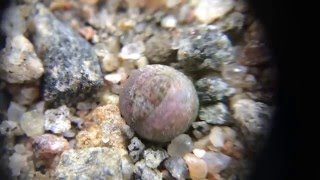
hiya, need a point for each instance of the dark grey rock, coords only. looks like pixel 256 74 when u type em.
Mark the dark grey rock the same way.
pixel 71 66
pixel 204 47
pixel 212 89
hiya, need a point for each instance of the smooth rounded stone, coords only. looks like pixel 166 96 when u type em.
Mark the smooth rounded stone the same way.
pixel 169 21
pixel 238 76
pixel 69 134
pixel 89 163
pixel 217 114
pixel 32 123
pixel 15 111
pixel 135 149
pixel 208 11
pixel 57 120
pixel 27 95
pixel 233 21
pixel 197 167
pixel 143 172
pixel 153 157
pixel 132 51
pixel 216 162
pixel 71 66
pixel 10 128
pixel 19 63
pixel 49 144
pixel 255 116
pixel 109 62
pixel 180 145
pixel 13 21
pixel 212 89
pixel 159 102
pixel 158 48
pixel 177 167
pixel 204 47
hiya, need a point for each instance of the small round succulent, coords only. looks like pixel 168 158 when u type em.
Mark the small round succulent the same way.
pixel 159 102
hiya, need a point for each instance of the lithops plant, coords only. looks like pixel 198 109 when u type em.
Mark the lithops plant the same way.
pixel 159 102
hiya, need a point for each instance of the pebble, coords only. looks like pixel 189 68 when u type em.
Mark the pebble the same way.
pixel 180 145
pixel 108 97
pixel 10 128
pixel 233 21
pixel 143 172
pixel 71 67
pixel 208 11
pixel 217 114
pixel 132 51
pixel 27 95
pixel 18 163
pixel 238 76
pixel 213 88
pixel 15 111
pixel 172 3
pixel 14 22
pixel 169 21
pixel 204 47
pixel 89 163
pixel 177 167
pixel 128 131
pixel 32 123
pixel 19 62
pixel 197 167
pixel 57 120
pixel 127 167
pixel 201 128
pixel 216 162
pixel 135 148
pixel 89 137
pixel 114 78
pixel 142 62
pixel 217 137
pixel 202 143
pixel 153 157
pixel 108 61
pixel 255 116
pixel 48 144
pixel 158 48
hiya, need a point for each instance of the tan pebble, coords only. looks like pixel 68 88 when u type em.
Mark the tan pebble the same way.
pixel 90 137
pixel 197 167
pixel 60 4
pixel 202 143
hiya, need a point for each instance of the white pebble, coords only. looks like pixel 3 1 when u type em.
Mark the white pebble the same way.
pixel 113 78
pixel 32 123
pixel 199 152
pixel 208 11
pixel 169 21
pixel 132 51
pixel 217 137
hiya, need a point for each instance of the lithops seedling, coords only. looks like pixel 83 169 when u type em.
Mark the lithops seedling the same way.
pixel 159 102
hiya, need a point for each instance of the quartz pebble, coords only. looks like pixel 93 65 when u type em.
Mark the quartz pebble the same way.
pixel 169 21
pixel 133 51
pixel 114 78
pixel 238 76
pixel 213 88
pixel 57 120
pixel 108 61
pixel 177 167
pixel 27 95
pixel 19 63
pixel 19 162
pixel 180 145
pixel 153 157
pixel 208 11
pixel 217 114
pixel 204 47
pixel 15 111
pixel 217 137
pixel 89 163
pixel 108 97
pixel 197 167
pixel 32 123
pixel 216 162
pixel 49 144
pixel 143 172
pixel 135 148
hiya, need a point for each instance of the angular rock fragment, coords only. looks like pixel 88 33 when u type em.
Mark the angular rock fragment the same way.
pixel 71 66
